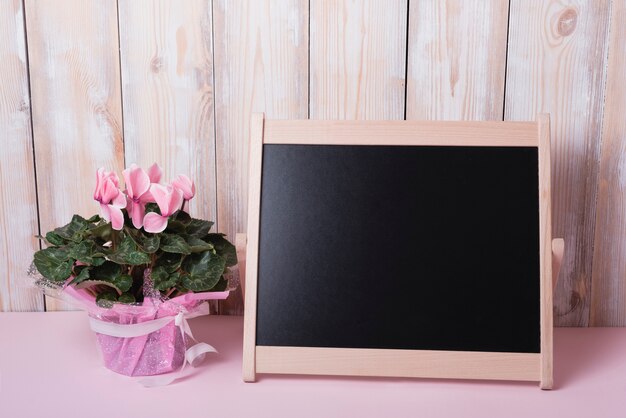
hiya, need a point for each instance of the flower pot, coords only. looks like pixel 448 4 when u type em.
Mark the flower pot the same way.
pixel 158 352
pixel 156 348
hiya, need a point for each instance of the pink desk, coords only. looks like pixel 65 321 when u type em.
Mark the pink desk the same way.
pixel 49 367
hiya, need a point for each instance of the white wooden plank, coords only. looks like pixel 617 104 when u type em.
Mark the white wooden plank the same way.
pixel 556 60
pixel 358 59
pixel 456 59
pixel 18 204
pixel 608 304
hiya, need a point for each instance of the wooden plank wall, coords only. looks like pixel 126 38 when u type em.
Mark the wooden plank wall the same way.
pixel 608 290
pixel 121 81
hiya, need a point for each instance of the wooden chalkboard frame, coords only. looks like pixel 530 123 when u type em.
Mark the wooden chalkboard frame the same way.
pixel 389 362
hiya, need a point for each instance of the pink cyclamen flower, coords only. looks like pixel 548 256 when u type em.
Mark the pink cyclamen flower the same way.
pixel 111 199
pixel 155 173
pixel 137 187
pixel 169 200
pixel 185 185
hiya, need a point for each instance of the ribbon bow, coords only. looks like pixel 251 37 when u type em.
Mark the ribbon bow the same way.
pixel 194 355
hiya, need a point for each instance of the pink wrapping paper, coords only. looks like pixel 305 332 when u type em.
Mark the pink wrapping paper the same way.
pixel 159 352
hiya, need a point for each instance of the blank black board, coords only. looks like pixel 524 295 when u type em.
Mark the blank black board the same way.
pixel 399 247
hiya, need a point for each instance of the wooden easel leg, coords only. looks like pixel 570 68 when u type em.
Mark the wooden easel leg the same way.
pixel 240 244
pixel 558 248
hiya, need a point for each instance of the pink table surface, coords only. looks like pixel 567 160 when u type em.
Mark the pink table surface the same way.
pixel 49 367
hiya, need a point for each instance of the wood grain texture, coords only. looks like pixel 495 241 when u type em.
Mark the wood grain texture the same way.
pixel 75 86
pixel 166 54
pixel 456 59
pixel 545 249
pixel 261 65
pixel 398 363
pixel 252 250
pixel 358 59
pixel 441 133
pixel 608 304
pixel 18 202
pixel 556 60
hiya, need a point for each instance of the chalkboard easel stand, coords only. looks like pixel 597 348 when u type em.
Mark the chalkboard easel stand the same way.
pixel 283 359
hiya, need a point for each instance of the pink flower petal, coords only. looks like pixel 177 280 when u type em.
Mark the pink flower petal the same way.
pixel 155 173
pixel 113 176
pixel 161 196
pixel 119 201
pixel 154 223
pixel 99 178
pixel 137 181
pixel 104 211
pixel 109 191
pixel 175 202
pixel 147 198
pixel 117 217
pixel 137 213
pixel 186 185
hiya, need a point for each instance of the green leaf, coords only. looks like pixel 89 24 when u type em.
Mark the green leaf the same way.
pixel 94 219
pixel 182 217
pixel 83 252
pixel 205 270
pixel 128 253
pixel 175 227
pixel 221 285
pixel 90 283
pixel 150 244
pixel 170 261
pixel 106 299
pixel 126 298
pixel 163 280
pixel 74 230
pixel 147 243
pixel 223 248
pixel 104 231
pixel 123 282
pixel 53 263
pixel 54 238
pixel 98 261
pixel 197 245
pixel 83 274
pixel 198 228
pixel 136 258
pixel 106 272
pixel 174 244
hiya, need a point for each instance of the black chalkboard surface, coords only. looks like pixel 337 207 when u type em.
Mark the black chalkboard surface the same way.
pixel 400 247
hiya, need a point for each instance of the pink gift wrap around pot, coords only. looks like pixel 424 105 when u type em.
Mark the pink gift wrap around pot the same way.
pixel 159 352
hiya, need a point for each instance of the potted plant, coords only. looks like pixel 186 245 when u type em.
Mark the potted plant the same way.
pixel 144 259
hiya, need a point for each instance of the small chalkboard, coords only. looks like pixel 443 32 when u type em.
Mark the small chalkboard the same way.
pixel 402 248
